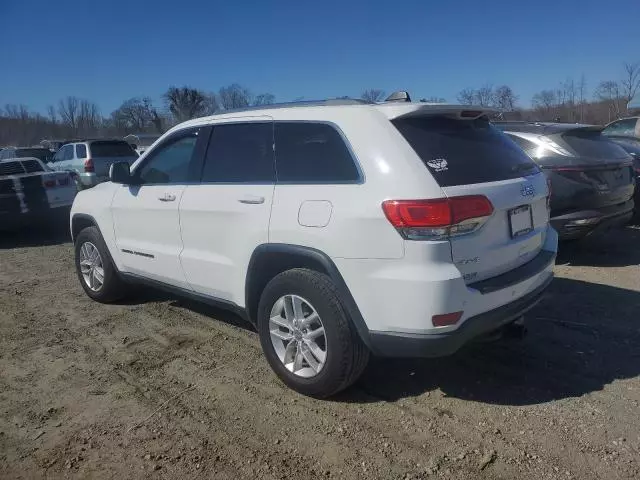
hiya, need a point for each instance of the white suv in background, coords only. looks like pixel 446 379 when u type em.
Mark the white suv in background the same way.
pixel 337 228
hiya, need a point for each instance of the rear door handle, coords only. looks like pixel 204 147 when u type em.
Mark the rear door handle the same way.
pixel 251 200
pixel 167 198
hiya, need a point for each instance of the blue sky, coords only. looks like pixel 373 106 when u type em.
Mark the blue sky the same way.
pixel 111 50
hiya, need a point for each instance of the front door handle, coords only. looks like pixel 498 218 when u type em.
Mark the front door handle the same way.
pixel 251 200
pixel 167 198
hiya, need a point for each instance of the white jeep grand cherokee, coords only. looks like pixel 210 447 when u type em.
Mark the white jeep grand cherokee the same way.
pixel 337 228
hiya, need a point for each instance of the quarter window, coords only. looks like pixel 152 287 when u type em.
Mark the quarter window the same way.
pixel 81 151
pixel 240 153
pixel 312 153
pixel 170 162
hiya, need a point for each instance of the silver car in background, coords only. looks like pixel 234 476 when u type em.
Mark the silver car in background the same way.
pixel 89 160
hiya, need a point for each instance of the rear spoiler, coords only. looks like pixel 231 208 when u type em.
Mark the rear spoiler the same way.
pixel 410 110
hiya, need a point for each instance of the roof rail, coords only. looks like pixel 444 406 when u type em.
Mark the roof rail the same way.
pixel 300 103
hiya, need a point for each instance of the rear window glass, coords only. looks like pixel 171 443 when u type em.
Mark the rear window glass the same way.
pixel 32 166
pixel 11 168
pixel 42 154
pixel 463 152
pixel 111 149
pixel 593 145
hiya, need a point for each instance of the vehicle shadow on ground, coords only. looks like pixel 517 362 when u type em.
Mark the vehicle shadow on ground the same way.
pixel 581 338
pixel 34 237
pixel 615 248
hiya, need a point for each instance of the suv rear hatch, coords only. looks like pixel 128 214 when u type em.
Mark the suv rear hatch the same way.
pixel 103 153
pixel 467 156
pixel 592 173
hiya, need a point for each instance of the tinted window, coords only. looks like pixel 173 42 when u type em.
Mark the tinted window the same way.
pixel 463 152
pixel 111 149
pixel 593 145
pixel 312 153
pixel 43 154
pixel 81 151
pixel 169 162
pixel 240 152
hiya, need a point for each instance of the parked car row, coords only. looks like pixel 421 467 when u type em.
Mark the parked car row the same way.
pixel 591 177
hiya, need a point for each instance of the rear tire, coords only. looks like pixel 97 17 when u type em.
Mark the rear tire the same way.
pixel 96 272
pixel 345 355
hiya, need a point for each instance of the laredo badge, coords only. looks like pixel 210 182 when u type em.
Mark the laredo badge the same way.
pixel 439 164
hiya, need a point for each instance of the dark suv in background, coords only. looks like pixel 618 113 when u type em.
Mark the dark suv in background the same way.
pixel 592 179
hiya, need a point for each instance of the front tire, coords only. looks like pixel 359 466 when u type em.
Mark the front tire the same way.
pixel 307 336
pixel 96 272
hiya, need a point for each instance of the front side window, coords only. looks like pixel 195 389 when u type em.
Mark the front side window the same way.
pixel 170 161
pixel 312 153
pixel 240 153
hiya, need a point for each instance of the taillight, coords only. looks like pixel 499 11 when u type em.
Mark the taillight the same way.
pixel 88 166
pixel 49 183
pixel 446 319
pixel 438 218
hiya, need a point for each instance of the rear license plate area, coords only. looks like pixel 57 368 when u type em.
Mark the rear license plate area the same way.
pixel 520 220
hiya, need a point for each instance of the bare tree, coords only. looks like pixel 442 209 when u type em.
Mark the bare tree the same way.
pixel 234 96
pixel 582 89
pixel 609 92
pixel 433 99
pixel 264 99
pixel 505 99
pixel 53 116
pixel 485 96
pixel 68 111
pixel 185 102
pixel 373 95
pixel 89 119
pixel 466 96
pixel 631 81
pixel 135 115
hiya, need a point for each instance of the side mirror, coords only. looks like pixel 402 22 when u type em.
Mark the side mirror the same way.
pixel 119 173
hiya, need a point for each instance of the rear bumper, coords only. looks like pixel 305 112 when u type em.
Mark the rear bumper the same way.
pixel 391 344
pixel 88 180
pixel 585 222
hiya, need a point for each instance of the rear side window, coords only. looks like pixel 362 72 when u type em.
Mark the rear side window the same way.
pixel 463 152
pixel 312 153
pixel 240 153
pixel 81 150
pixel 593 145
pixel 111 149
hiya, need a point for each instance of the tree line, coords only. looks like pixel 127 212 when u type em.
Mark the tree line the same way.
pixel 73 117
pixel 569 101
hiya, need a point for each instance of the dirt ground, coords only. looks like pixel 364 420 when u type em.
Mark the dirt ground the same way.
pixel 163 388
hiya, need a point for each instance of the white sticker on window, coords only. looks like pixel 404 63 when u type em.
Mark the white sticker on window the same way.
pixel 439 164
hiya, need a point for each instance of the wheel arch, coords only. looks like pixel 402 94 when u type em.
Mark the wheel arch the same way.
pixel 79 222
pixel 269 260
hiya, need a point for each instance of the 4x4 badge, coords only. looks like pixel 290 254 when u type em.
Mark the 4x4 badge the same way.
pixel 527 190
